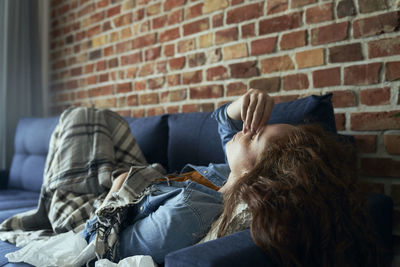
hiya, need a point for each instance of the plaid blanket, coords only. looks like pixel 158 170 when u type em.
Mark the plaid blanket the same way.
pixel 88 148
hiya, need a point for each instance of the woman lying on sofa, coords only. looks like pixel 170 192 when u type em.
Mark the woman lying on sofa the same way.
pixel 298 183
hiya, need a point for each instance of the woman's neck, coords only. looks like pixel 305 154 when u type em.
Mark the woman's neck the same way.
pixel 229 183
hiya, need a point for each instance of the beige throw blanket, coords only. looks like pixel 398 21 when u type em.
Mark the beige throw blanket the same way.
pixel 87 149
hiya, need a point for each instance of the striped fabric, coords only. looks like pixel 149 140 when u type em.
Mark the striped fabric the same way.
pixel 87 149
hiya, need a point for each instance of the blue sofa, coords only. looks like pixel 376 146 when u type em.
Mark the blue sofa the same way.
pixel 172 140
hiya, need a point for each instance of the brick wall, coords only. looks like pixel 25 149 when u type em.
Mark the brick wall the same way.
pixel 143 58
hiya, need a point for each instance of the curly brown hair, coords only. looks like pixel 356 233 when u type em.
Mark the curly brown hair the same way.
pixel 307 205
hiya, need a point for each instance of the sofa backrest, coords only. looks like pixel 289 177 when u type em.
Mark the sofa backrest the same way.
pixel 31 144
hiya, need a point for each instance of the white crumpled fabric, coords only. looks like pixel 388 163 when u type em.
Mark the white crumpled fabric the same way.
pixel 68 249
pixel 134 261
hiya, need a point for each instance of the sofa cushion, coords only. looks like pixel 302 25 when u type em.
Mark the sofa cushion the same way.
pixel 311 109
pixel 151 134
pixel 193 137
pixel 32 140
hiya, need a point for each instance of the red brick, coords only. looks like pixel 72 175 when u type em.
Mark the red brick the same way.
pixel 103 3
pixel 293 40
pixel 152 53
pixel 124 47
pixel 236 2
pixel 366 143
pixel 153 9
pixel 218 20
pixel 295 82
pixel 146 69
pixel 186 45
pixel 109 51
pixel 392 143
pixel 174 96
pixel 326 77
pixel 238 50
pixel 275 64
pixel 87 9
pixel 206 92
pixel 330 33
pixel 143 41
pixel 248 30
pixel 132 100
pixel 276 6
pixel 113 63
pixel 270 85
pixel 91 80
pixel 176 63
pixel 103 77
pixel 375 121
pixel 131 59
pixel 123 20
pixel 263 46
pixel 76 71
pixel 93 31
pixel 244 69
pixel 237 88
pixel 160 22
pixel 345 8
pixel 101 65
pixel 155 83
pixel 374 97
pixel 384 47
pixel 169 50
pixel 172 109
pixel 95 54
pixel 89 68
pixel 175 17
pixel 226 35
pixel 138 14
pixel 367 6
pixel 299 3
pixel 319 13
pixel 341 99
pixel 169 35
pixel 138 113
pixel 174 79
pixel 106 26
pixel 345 53
pixel 72 84
pixel 196 26
pixel 131 72
pixel 392 71
pixel 97 17
pixel 113 11
pixel 384 23
pixel 217 73
pixel 148 99
pixel 340 120
pixel 140 85
pixel 170 4
pixel 124 87
pixel 196 59
pixel 380 167
pixel 194 11
pixel 281 23
pixel 243 13
pixel 190 108
pixel 362 74
pixel 192 77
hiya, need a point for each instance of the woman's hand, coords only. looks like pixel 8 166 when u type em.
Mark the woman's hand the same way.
pixel 253 108
pixel 117 184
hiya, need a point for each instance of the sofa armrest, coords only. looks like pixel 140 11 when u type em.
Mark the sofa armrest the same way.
pixel 233 250
pixel 3 178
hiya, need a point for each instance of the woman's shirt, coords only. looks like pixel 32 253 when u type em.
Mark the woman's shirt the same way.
pixel 175 214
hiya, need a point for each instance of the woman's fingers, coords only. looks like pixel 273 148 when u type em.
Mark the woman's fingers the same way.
pixel 244 107
pixel 269 104
pixel 256 123
pixel 250 112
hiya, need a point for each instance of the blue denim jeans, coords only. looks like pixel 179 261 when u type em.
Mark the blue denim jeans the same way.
pixel 175 215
